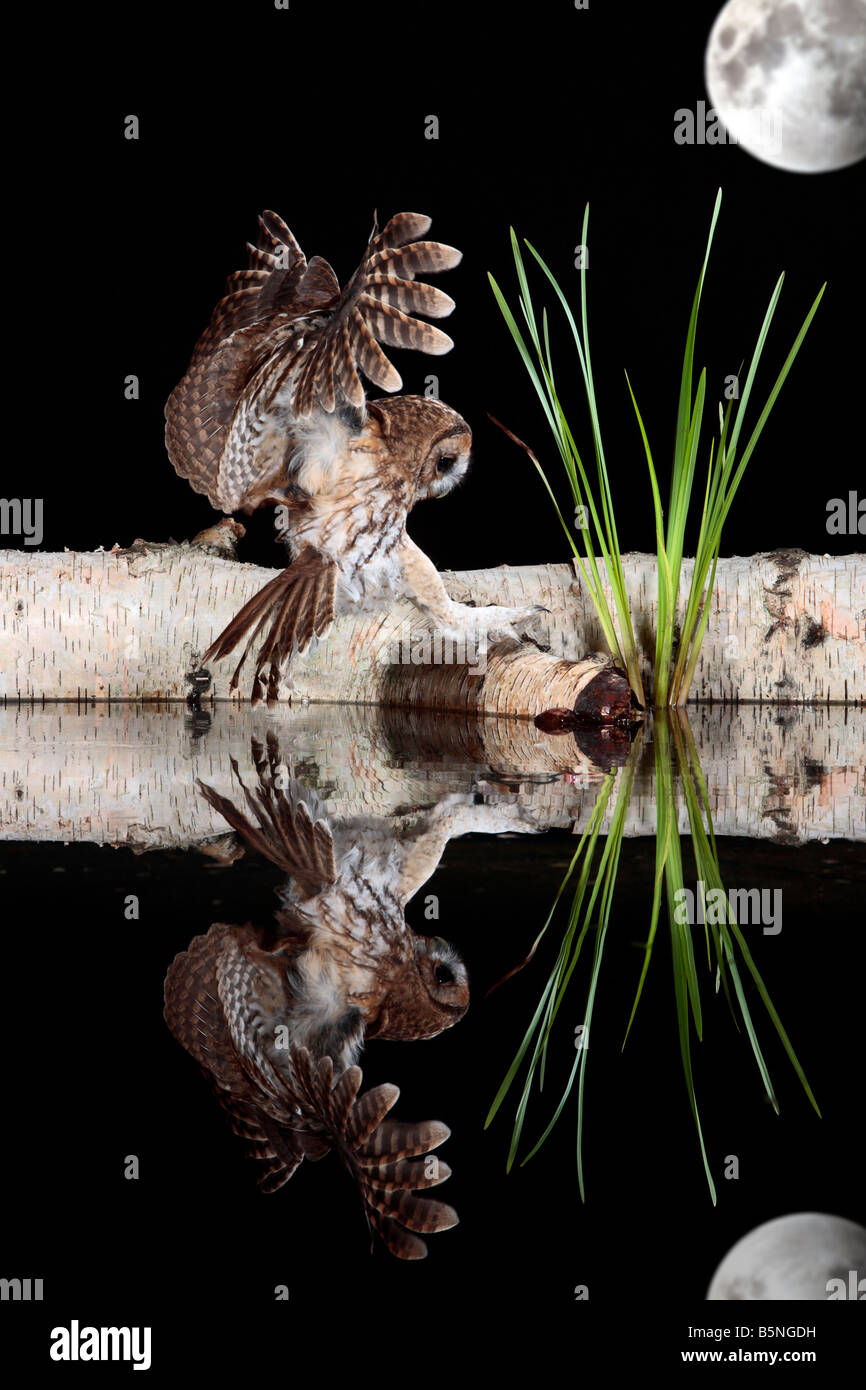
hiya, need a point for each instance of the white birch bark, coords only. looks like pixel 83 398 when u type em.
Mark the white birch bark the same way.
pixel 130 624
pixel 126 774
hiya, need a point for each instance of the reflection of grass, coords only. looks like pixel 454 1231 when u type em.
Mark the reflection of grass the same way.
pixel 672 674
pixel 579 920
pixel 727 938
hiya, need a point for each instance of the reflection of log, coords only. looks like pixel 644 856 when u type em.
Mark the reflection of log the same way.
pixel 785 626
pixel 127 775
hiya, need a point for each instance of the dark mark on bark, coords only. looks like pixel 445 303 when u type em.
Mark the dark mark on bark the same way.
pixel 778 626
pixel 813 633
pixel 815 772
pixel 788 561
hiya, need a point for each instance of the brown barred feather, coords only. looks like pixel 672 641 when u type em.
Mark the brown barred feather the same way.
pixel 407 1172
pixel 344 1096
pixel 370 311
pixel 299 602
pixel 400 1242
pixel 347 378
pixel 420 1214
pixel 251 347
pixel 410 296
pixel 305 377
pixel 247 279
pixel 369 1112
pixel 422 258
pixel 392 1139
pixel 276 237
pixel 278 1152
pixel 328 375
pixel 371 359
pixel 402 227
pixel 319 286
pixel 390 326
pixel 262 260
pixel 284 833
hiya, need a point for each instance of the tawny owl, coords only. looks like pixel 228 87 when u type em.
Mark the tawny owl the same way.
pixel 278 1021
pixel 271 411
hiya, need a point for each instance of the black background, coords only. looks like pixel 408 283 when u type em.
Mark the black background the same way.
pixel 319 113
pixel 195 1251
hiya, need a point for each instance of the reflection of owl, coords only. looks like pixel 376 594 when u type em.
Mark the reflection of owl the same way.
pixel 271 411
pixel 278 1024
pixel 240 1009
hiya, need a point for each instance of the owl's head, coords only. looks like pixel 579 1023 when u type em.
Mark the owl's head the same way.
pixel 425 439
pixel 428 994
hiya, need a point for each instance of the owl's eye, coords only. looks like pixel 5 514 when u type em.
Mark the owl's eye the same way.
pixel 445 463
pixel 444 975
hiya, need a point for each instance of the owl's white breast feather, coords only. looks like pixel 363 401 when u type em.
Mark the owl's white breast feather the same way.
pixel 321 443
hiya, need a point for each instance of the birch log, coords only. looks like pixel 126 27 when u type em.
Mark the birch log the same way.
pixel 126 774
pixel 129 624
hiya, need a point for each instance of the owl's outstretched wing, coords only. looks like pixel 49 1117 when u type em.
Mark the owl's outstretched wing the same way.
pixel 285 327
pixel 377 306
pixel 224 998
pixel 217 992
pixel 378 1152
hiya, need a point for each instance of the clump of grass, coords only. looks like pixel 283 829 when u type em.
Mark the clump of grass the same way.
pixel 673 671
pixel 724 939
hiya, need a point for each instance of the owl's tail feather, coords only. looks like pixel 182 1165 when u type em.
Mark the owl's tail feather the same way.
pixel 285 832
pixel 300 605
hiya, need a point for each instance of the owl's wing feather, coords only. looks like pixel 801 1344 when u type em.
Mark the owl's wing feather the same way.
pixel 376 306
pixel 284 319
pixel 375 1148
pixel 213 992
pixel 299 603
pixel 224 997
pixel 195 1015
pixel 248 324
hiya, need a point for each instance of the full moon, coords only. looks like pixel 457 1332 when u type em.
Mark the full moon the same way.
pixel 787 78
pixel 807 1256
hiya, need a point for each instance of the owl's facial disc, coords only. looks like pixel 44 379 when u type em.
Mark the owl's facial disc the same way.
pixel 426 996
pixel 426 441
pixel 446 465
pixel 443 973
